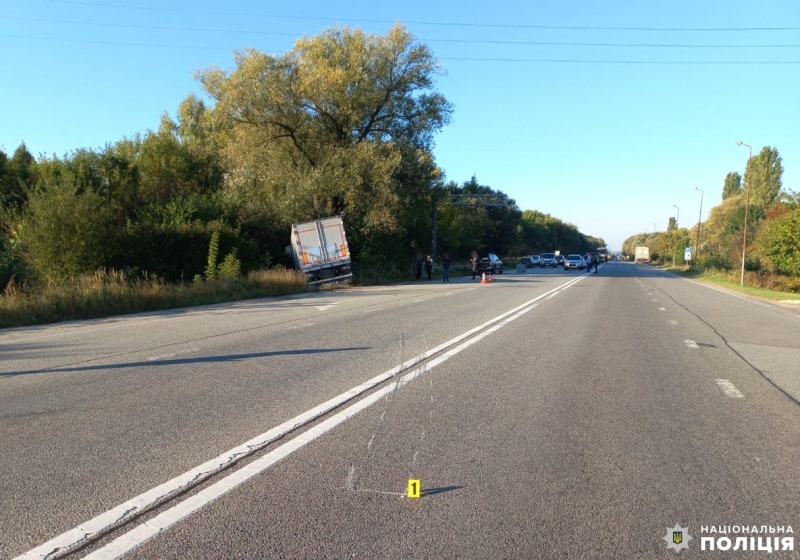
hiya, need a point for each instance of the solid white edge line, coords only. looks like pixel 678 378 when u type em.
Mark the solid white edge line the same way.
pixel 729 293
pixel 166 519
pixel 134 506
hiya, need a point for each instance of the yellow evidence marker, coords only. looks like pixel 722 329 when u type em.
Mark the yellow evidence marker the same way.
pixel 414 487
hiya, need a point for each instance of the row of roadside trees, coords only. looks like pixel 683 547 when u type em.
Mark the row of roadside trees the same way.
pixel 341 124
pixel 773 226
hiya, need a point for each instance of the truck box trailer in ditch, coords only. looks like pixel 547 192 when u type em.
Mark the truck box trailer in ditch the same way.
pixel 319 249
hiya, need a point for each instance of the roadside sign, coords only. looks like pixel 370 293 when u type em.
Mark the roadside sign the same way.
pixel 687 254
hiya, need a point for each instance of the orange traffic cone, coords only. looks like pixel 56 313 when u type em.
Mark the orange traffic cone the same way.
pixel 483 279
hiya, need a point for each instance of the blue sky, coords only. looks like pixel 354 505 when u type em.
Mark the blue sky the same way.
pixel 609 143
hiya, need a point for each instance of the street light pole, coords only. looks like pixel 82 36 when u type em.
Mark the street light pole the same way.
pixel 699 219
pixel 746 205
pixel 675 247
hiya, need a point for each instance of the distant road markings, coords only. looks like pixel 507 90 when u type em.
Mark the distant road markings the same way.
pixel 374 310
pixel 729 389
pixel 299 326
pixel 328 306
pixel 108 520
pixel 673 322
pixel 662 308
pixel 655 300
pixel 165 356
pixel 691 344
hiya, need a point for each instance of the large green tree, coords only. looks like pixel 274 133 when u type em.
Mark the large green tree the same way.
pixel 732 186
pixel 16 177
pixel 779 240
pixel 764 178
pixel 342 124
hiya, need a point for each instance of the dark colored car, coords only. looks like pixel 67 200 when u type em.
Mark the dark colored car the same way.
pixel 527 261
pixel 559 260
pixel 490 264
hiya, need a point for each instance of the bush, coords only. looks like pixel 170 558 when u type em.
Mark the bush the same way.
pixel 715 262
pixel 376 270
pixel 179 252
pixel 64 232
pixel 230 267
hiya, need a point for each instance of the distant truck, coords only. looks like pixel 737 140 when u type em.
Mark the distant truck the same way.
pixel 319 249
pixel 642 254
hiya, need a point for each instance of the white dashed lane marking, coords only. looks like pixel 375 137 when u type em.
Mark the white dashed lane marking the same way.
pixel 166 356
pixel 729 389
pixel 691 344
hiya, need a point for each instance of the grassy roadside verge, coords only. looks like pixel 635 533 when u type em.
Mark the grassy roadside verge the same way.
pixel 107 294
pixel 731 280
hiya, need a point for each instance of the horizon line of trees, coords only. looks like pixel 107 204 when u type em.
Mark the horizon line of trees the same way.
pixel 773 224
pixel 341 124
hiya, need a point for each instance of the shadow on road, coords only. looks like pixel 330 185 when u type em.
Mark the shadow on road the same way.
pixel 440 490
pixel 182 361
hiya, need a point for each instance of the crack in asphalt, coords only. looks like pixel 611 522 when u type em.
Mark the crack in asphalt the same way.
pixel 728 344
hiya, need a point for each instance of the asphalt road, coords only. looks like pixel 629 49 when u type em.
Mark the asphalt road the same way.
pixel 582 426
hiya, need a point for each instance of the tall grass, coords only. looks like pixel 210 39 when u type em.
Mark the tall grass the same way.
pixel 103 294
pixel 761 280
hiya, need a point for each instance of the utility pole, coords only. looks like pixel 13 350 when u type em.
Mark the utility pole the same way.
pixel 746 204
pixel 699 219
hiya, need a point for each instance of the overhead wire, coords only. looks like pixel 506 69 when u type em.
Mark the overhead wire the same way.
pixel 512 59
pixel 437 23
pixel 427 40
pixel 453 58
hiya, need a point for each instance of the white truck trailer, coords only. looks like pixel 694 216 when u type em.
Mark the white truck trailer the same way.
pixel 319 249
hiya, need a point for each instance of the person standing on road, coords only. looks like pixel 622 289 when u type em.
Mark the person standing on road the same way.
pixel 588 262
pixel 446 267
pixel 474 262
pixel 595 258
pixel 429 266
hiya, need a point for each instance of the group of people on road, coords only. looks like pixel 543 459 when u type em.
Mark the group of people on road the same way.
pixel 427 264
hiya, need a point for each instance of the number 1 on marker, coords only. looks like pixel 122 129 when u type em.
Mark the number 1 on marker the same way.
pixel 414 487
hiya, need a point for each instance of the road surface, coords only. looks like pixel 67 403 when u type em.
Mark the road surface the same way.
pixel 546 415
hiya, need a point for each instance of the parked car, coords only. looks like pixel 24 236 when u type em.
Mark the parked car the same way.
pixel 491 264
pixel 536 260
pixel 548 259
pixel 559 260
pixel 526 261
pixel 574 262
